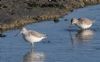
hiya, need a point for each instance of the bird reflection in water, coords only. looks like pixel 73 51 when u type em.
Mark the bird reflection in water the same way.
pixel 84 35
pixel 33 56
pixel 81 36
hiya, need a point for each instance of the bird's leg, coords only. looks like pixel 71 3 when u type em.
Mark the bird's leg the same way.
pixel 32 45
pixel 32 49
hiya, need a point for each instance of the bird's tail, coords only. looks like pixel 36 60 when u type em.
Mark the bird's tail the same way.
pixel 45 36
pixel 94 21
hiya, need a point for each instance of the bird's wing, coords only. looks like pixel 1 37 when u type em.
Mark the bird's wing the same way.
pixel 85 20
pixel 37 34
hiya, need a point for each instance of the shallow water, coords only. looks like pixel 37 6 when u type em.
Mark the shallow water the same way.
pixel 65 45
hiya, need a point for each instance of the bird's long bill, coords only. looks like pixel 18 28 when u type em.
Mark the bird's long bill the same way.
pixel 69 26
pixel 18 33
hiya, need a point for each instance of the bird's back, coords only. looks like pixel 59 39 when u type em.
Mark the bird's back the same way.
pixel 85 21
pixel 36 34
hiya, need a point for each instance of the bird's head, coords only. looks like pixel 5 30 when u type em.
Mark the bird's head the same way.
pixel 23 30
pixel 74 21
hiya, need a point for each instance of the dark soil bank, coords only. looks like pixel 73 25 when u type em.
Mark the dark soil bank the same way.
pixel 17 13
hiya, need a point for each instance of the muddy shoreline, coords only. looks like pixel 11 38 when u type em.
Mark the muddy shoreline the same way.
pixel 15 14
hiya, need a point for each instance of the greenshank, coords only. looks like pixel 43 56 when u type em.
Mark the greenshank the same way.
pixel 32 36
pixel 83 23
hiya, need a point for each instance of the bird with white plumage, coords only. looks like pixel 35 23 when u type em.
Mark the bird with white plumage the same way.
pixel 32 36
pixel 83 23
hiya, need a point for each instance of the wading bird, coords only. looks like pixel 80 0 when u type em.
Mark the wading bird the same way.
pixel 83 23
pixel 32 36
